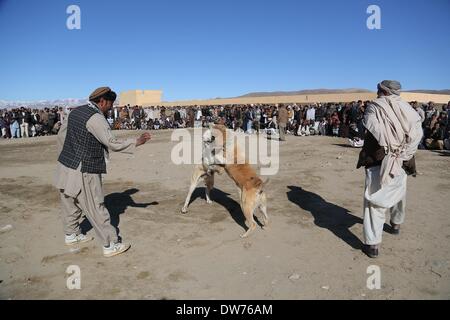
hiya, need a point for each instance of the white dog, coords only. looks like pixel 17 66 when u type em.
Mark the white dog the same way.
pixel 210 165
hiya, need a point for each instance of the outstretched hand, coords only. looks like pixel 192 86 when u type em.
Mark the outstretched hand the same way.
pixel 143 139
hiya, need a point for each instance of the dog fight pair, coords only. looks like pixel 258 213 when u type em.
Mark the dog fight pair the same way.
pixel 218 156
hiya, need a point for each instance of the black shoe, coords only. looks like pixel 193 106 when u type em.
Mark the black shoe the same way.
pixel 370 251
pixel 395 228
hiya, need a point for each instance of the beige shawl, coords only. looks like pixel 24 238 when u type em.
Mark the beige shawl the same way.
pixel 397 128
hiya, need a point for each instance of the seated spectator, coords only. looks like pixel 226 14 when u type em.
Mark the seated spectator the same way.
pixel 304 129
pixel 447 137
pixel 335 122
pixel 356 142
pixel 156 124
pixel 37 130
pixel 436 139
pixel 116 125
pixel 323 127
pixel 180 124
pixel 313 127
pixel 56 128
pixel 447 144
pixel 271 127
pixel 354 137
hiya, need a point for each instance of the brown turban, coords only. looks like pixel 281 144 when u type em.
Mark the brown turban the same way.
pixel 103 92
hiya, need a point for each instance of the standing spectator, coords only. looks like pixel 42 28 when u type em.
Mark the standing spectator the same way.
pixel 44 121
pixel 320 113
pixel 177 116
pixel 249 120
pixel 136 117
pixel 238 118
pixel 7 119
pixel 311 113
pixel 443 120
pixel 25 123
pixel 62 116
pixel 123 114
pixel 198 117
pixel 257 119
pixel 418 107
pixel 275 115
pixel 191 117
pixel 3 127
pixel 360 119
pixel 51 120
pixel 15 126
pixel 36 127
pixel 299 115
pixel 282 121
pixel 183 114
pixel 263 119
pixel 393 127
pixel 290 118
pixel 431 110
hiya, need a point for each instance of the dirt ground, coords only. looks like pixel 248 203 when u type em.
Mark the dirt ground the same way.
pixel 311 251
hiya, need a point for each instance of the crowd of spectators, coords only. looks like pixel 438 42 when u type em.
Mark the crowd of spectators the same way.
pixel 326 119
pixel 25 122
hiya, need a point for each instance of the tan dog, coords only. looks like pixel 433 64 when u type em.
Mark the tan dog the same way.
pixel 250 186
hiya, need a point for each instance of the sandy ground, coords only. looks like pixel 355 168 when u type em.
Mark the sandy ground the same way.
pixel 310 252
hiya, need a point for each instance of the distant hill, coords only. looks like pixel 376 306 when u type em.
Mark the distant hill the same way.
pixel 446 91
pixel 303 92
pixel 40 104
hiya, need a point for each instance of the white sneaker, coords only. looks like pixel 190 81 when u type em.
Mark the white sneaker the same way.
pixel 115 249
pixel 76 239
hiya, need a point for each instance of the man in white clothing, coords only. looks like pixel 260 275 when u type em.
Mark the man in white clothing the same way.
pixel 393 133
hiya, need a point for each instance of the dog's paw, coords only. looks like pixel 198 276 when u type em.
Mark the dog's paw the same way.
pixel 184 211
pixel 209 201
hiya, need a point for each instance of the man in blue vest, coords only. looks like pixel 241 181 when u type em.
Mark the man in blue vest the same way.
pixel 85 140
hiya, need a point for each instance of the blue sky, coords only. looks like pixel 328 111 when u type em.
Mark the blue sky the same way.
pixel 208 49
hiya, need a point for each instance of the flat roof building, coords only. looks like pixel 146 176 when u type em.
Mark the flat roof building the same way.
pixel 140 97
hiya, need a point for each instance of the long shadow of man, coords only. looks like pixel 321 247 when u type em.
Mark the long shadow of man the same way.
pixel 117 203
pixel 327 215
